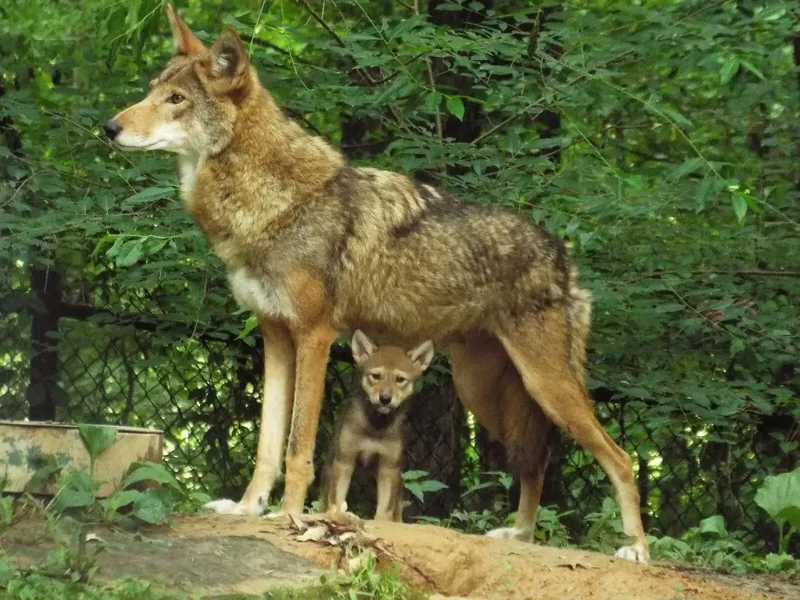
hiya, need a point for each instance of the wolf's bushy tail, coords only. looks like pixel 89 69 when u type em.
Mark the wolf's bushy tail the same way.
pixel 579 314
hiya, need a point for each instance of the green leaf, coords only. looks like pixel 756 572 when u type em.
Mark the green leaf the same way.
pixel 153 506
pixel 416 489
pixel 739 205
pixel 130 252
pixel 249 326
pixel 432 101
pixel 96 438
pixel 414 475
pixel 689 166
pixel 119 499
pixel 115 248
pixel 753 69
pixel 76 489
pixel 147 195
pixel 455 107
pixel 431 485
pixel 158 473
pixel 715 524
pixel 780 497
pixel 728 70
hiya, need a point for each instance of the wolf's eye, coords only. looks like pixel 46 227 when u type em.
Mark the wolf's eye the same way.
pixel 175 99
pixel 400 380
pixel 374 377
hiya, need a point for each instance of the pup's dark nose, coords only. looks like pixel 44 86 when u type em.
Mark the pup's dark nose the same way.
pixel 385 399
pixel 112 129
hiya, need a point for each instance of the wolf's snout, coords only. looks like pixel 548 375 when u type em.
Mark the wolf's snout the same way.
pixel 112 129
pixel 385 399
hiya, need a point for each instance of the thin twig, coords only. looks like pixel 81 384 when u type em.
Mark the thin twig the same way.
pixel 505 122
pixel 432 82
pixel 271 46
pixel 364 72
pixel 322 22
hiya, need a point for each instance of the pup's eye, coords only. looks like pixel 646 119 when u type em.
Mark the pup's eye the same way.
pixel 175 99
pixel 374 377
pixel 400 380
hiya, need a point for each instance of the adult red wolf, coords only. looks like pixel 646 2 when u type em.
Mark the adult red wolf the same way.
pixel 317 248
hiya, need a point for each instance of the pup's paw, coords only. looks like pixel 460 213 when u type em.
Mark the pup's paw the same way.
pixel 637 553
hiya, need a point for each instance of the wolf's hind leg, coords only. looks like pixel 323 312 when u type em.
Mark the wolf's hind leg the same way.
pixel 491 388
pixel 541 348
pixel 279 378
pixel 525 525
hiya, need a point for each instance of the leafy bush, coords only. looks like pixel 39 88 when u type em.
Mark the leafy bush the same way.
pixel 780 497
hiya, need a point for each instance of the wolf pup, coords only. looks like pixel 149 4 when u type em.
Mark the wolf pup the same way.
pixel 373 425
pixel 316 248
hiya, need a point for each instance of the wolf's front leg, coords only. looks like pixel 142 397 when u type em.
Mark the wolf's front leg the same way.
pixel 312 359
pixel 279 381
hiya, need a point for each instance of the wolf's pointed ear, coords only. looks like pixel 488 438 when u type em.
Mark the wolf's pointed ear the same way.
pixel 185 41
pixel 362 347
pixel 422 355
pixel 228 58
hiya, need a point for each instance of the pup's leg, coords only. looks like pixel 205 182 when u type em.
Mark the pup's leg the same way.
pixel 540 347
pixel 390 485
pixel 279 381
pixel 339 474
pixel 312 360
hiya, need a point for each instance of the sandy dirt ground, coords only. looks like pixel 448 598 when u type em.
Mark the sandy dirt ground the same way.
pixel 251 554
pixel 454 564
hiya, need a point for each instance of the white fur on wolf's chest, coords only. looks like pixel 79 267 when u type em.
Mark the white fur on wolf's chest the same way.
pixel 187 170
pixel 265 298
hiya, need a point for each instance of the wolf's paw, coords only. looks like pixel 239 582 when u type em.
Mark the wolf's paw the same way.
pixel 229 507
pixel 637 553
pixel 511 533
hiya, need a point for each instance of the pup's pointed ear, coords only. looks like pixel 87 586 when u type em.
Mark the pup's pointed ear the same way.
pixel 228 58
pixel 362 347
pixel 185 41
pixel 422 355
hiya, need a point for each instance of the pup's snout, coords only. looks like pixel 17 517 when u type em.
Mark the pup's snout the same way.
pixel 385 399
pixel 112 129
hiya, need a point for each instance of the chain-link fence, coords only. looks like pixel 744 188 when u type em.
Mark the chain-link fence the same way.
pixel 204 392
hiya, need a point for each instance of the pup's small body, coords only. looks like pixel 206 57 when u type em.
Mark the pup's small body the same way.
pixel 372 426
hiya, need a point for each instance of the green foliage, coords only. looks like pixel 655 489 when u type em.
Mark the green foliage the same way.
pixel 605 532
pixel 96 438
pixel 780 497
pixel 711 544
pixel 36 584
pixel 417 483
pixel 367 582
pixel 55 578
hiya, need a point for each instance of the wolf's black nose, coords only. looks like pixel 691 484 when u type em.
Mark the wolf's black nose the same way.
pixel 112 129
pixel 385 399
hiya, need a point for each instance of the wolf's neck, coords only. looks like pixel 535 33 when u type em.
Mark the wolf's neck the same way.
pixel 256 180
pixel 268 145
